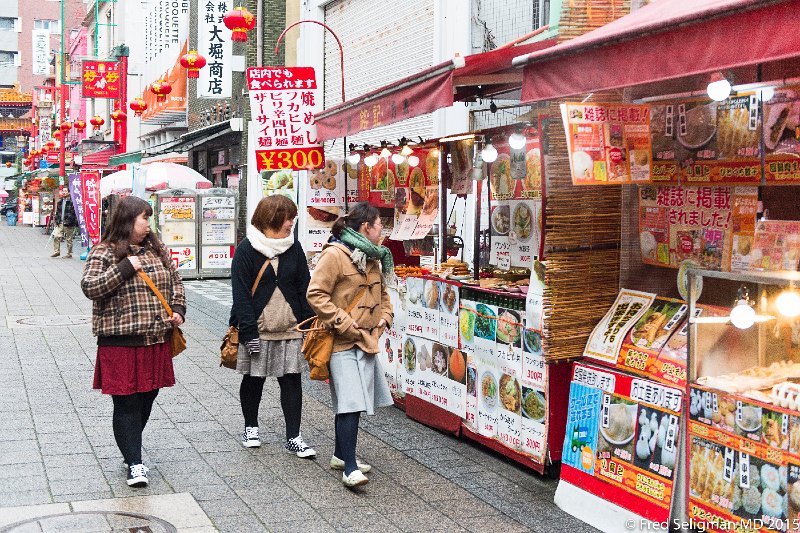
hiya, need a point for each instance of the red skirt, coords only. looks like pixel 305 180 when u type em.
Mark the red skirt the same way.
pixel 123 370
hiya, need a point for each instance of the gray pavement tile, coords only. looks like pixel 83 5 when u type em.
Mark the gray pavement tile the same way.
pixel 284 511
pixel 68 472
pixel 75 460
pixel 16 434
pixel 224 507
pixel 213 492
pixel 20 498
pixel 491 523
pixel 23 484
pixel 11 457
pixel 306 526
pixel 83 496
pixel 466 507
pixel 238 524
pixel 21 470
pixel 78 485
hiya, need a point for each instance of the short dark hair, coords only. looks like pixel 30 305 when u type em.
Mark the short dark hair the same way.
pixel 272 211
pixel 359 213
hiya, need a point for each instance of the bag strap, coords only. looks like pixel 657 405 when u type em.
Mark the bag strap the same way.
pixel 350 307
pixel 157 292
pixel 258 278
pixel 355 301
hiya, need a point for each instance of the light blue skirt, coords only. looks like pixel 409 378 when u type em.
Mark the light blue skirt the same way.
pixel 357 383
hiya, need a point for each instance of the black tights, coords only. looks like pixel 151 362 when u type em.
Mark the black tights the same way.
pixel 131 413
pixel 346 438
pixel 291 401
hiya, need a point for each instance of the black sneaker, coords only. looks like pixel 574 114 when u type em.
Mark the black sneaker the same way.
pixel 298 446
pixel 137 475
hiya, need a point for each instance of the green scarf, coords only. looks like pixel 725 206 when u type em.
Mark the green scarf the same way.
pixel 373 251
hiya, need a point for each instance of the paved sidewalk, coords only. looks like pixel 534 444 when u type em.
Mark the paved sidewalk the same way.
pixel 57 447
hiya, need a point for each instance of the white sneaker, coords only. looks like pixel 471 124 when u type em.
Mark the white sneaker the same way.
pixel 137 476
pixel 338 464
pixel 355 479
pixel 299 447
pixel 250 438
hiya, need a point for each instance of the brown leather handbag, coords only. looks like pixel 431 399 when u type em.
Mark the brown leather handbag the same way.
pixel 229 350
pixel 318 343
pixel 177 340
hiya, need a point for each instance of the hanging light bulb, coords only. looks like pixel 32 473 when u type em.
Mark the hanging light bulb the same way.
pixel 406 150
pixel 354 158
pixel 788 303
pixel 413 160
pixel 371 160
pixel 766 93
pixel 743 315
pixel 719 89
pixel 397 159
pixel 489 152
pixel 517 141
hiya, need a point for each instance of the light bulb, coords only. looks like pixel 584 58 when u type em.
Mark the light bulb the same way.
pixel 413 160
pixel 719 90
pixel 406 150
pixel 371 160
pixel 489 153
pixel 517 141
pixel 788 303
pixel 397 159
pixel 354 158
pixel 385 153
pixel 767 93
pixel 743 315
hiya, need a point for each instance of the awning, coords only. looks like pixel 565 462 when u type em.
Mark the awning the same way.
pixel 122 159
pixel 197 137
pixel 98 159
pixel 424 92
pixel 668 40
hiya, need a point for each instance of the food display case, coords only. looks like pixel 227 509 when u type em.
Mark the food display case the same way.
pixel 743 438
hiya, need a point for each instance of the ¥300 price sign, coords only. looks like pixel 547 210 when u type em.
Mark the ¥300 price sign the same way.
pixel 290 159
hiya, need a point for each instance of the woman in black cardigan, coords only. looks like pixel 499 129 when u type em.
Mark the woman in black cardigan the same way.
pixel 269 344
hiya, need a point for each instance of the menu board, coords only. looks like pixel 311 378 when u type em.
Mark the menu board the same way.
pixel 622 439
pixel 178 231
pixel 606 340
pixel 414 193
pixel 775 245
pixel 515 188
pixel 679 223
pixel 325 193
pixel 218 207
pixel 607 143
pixel 744 463
pixel 781 137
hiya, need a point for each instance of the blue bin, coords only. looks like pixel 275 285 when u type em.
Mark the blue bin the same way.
pixel 11 219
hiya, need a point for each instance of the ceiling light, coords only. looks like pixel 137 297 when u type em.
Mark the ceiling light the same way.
pixel 397 159
pixel 719 88
pixel 517 141
pixel 413 160
pixel 788 303
pixel 354 158
pixel 489 153
pixel 371 160
pixel 385 153
pixel 406 150
pixel 743 315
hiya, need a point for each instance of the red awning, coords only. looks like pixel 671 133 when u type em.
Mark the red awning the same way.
pixel 668 40
pixel 424 92
pixel 99 158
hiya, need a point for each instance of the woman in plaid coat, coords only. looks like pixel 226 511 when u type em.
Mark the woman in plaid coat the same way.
pixel 134 359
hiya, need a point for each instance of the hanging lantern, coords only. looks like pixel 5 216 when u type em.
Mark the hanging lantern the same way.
pixel 118 115
pixel 239 21
pixel 57 134
pixel 97 121
pixel 80 126
pixel 8 164
pixel 65 126
pixel 161 89
pixel 33 153
pixel 26 161
pixel 138 106
pixel 193 62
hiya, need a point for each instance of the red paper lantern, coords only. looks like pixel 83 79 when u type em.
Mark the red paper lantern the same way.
pixel 193 62
pixel 118 115
pixel 57 134
pixel 33 153
pixel 138 106
pixel 161 89
pixel 8 164
pixel 80 125
pixel 66 126
pixel 97 121
pixel 239 21
pixel 26 161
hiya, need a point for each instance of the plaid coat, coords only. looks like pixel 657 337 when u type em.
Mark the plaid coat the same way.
pixel 123 303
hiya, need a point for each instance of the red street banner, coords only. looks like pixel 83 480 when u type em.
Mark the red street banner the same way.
pixel 100 79
pixel 282 102
pixel 365 113
pixel 90 192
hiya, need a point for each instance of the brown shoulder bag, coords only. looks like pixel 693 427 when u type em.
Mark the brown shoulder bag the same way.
pixel 318 343
pixel 229 349
pixel 177 340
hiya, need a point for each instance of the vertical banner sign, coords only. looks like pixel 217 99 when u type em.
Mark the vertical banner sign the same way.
pixel 214 42
pixel 101 79
pixel 90 190
pixel 41 52
pixel 75 192
pixel 45 130
pixel 283 101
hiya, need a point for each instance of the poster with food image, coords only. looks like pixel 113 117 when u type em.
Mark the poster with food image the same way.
pixel 456 382
pixel 617 429
pixel 466 325
pixel 415 310
pixel 605 342
pixel 501 185
pixel 713 409
pixel 532 183
pixel 793 497
pixel 525 233
pixel 429 214
pixel 500 224
pixel 354 193
pixel 424 359
pixel 775 429
pixel 431 295
pixel 326 185
pixel 485 330
pixel 509 426
pixel 488 399
pixel 583 425
pixel 472 391
pixel 781 138
pixel 449 320
pixel 657 441
pixel 280 182
pixel 748 420
pixel 775 246
pixel 408 373
pixel 460 155
pixel 319 222
pixel 763 496
pixel 794 435
pixel 607 143
pixel 532 422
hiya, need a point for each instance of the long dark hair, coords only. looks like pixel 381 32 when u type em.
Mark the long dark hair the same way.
pixel 359 213
pixel 120 227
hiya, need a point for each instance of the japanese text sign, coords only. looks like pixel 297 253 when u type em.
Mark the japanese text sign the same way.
pixel 214 43
pixel 75 192
pixel 90 190
pixel 283 101
pixel 101 79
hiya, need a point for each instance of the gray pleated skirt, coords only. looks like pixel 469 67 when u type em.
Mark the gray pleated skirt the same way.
pixel 277 358
pixel 357 383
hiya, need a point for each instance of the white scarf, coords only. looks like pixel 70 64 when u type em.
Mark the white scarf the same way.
pixel 271 248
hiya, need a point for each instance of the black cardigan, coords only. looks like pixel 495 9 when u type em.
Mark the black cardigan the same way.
pixel 292 278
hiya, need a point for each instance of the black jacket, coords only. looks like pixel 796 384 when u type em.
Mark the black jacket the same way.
pixel 292 278
pixel 69 213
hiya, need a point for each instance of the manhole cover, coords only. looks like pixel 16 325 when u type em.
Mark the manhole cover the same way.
pixel 51 321
pixel 98 521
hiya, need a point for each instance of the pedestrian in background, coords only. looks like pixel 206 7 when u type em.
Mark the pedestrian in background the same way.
pixel 266 310
pixel 65 223
pixel 354 266
pixel 134 358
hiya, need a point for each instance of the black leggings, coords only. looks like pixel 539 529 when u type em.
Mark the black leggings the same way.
pixel 291 401
pixel 131 413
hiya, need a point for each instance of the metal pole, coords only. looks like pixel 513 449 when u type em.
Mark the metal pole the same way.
pixel 62 105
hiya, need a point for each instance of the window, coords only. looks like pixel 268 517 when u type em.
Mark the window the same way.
pixel 7 23
pixel 45 24
pixel 7 59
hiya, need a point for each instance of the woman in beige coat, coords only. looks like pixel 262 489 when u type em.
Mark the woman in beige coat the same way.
pixel 353 266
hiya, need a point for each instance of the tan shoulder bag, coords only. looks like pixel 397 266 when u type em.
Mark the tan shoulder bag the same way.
pixel 229 349
pixel 177 340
